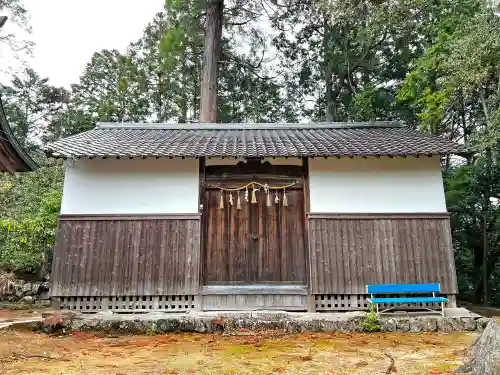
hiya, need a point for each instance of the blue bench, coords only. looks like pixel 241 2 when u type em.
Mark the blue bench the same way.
pixel 406 289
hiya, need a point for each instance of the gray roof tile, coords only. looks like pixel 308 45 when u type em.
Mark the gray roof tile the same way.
pixel 251 140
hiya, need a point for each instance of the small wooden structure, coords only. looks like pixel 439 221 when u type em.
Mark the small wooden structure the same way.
pixel 13 158
pixel 249 216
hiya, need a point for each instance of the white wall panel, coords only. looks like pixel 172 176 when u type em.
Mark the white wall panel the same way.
pixel 125 186
pixel 376 185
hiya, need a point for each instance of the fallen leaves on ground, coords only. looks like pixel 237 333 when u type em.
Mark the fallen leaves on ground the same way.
pixel 261 353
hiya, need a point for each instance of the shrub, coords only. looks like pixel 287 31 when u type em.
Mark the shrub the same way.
pixel 370 323
pixel 25 243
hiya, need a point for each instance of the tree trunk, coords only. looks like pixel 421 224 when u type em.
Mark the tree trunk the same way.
pixel 159 104
pixel 195 74
pixel 213 35
pixel 328 69
pixel 184 93
pixel 486 203
pixel 485 258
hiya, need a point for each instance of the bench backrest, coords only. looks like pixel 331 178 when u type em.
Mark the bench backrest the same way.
pixel 403 288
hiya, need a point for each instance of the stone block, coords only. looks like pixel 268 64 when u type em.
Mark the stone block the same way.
pixel 448 325
pixel 485 354
pixel 327 326
pixel 18 291
pixel 403 324
pixel 292 326
pixel 26 288
pixel 270 315
pixel 35 288
pixel 423 324
pixel 469 324
pixel 200 326
pixel 187 324
pixel 482 323
pixel 27 300
pixel 388 325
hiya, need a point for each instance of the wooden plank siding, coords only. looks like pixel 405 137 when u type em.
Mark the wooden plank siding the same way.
pixel 127 257
pixel 256 244
pixel 347 253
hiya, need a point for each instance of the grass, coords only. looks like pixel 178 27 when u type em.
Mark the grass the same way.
pixel 210 354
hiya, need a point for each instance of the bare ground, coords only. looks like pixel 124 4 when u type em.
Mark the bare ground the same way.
pixel 23 353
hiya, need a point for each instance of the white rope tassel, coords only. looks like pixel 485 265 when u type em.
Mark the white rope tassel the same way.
pixel 268 199
pixel 238 202
pixel 254 196
pixel 246 194
pixel 276 197
pixel 221 203
pixel 285 200
pixel 231 199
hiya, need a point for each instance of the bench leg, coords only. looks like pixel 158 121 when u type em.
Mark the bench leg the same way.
pixel 376 305
pixel 442 309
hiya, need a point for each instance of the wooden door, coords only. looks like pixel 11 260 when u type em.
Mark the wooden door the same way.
pixel 257 244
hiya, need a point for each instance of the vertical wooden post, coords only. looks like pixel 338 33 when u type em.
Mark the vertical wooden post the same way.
pixel 105 303
pixel 211 56
pixel 208 110
pixel 203 219
pixel 311 303
pixel 452 300
pixel 156 303
pixel 55 302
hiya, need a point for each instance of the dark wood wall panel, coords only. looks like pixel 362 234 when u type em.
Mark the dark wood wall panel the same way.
pixel 347 254
pixel 255 244
pixel 127 257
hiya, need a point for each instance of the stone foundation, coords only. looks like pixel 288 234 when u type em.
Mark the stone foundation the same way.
pixel 156 322
pixel 26 293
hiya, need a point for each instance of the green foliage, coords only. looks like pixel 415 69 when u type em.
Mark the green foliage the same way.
pixel 30 103
pixel 431 64
pixel 10 44
pixel 457 71
pixel 370 322
pixel 467 186
pixel 454 89
pixel 29 211
pixel 25 243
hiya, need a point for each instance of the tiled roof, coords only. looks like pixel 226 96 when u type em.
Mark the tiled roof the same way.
pixel 251 140
pixel 13 158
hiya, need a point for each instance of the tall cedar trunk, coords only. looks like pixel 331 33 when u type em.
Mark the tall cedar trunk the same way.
pixel 485 258
pixel 184 89
pixel 329 100
pixel 159 98
pixel 213 35
pixel 196 87
pixel 486 207
pixel 486 202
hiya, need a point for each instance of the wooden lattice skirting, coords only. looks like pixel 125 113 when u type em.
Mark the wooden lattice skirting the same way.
pixel 356 302
pixel 129 303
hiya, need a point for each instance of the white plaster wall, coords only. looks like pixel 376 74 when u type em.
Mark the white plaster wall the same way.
pixel 137 186
pixel 375 185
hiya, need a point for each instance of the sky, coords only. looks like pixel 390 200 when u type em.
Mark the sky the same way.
pixel 67 32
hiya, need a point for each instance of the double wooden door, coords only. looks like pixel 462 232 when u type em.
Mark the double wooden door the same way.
pixel 257 244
